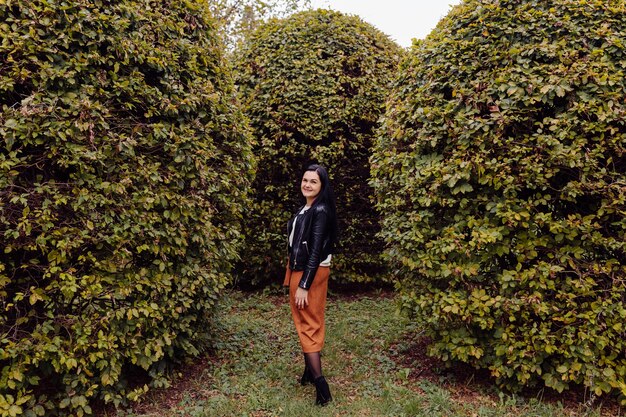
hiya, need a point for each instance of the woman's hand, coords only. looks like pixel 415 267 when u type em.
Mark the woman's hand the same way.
pixel 302 299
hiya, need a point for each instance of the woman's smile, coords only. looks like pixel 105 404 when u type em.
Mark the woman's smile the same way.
pixel 310 186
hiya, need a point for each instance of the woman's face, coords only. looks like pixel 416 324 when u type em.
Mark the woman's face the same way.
pixel 311 185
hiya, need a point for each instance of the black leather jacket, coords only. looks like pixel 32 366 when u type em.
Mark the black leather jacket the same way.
pixel 311 242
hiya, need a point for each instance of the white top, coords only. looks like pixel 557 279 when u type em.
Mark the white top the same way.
pixel 325 262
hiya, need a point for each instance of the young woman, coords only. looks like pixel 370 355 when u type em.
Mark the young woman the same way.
pixel 312 233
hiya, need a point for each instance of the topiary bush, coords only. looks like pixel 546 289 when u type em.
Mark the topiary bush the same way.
pixel 314 86
pixel 124 166
pixel 500 171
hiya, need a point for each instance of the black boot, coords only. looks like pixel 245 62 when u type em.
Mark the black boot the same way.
pixel 323 391
pixel 307 377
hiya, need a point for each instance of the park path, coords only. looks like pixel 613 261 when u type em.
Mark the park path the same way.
pixel 258 361
pixel 255 368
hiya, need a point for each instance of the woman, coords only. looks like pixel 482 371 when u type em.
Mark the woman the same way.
pixel 311 235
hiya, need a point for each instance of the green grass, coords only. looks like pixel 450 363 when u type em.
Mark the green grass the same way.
pixel 258 363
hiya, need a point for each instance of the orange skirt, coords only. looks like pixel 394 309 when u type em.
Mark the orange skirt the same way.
pixel 310 320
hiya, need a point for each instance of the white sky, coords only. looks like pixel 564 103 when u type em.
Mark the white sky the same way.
pixel 402 20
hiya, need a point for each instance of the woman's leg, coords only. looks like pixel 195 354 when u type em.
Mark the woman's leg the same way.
pixel 314 362
pixel 311 330
pixel 307 378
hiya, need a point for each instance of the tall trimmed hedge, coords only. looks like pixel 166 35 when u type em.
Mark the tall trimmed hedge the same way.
pixel 123 176
pixel 501 175
pixel 314 87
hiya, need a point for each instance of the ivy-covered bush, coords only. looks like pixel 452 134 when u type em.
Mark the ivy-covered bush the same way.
pixel 123 175
pixel 501 175
pixel 314 87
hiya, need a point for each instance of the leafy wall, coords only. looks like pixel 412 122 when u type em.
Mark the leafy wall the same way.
pixel 314 86
pixel 123 175
pixel 501 174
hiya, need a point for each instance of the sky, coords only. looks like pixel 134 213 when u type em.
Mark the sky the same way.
pixel 402 20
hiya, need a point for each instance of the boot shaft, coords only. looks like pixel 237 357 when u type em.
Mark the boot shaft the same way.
pixel 323 391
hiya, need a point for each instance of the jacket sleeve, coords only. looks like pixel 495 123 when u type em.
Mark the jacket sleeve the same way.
pixel 289 226
pixel 314 244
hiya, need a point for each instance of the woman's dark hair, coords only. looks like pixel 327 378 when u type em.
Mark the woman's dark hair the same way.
pixel 326 197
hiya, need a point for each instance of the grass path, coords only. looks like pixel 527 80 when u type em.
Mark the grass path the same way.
pixel 258 363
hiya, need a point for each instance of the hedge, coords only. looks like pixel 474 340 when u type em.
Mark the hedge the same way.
pixel 500 171
pixel 314 86
pixel 123 176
